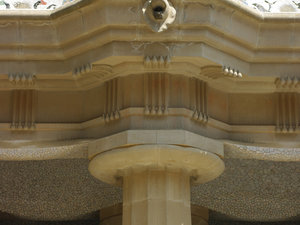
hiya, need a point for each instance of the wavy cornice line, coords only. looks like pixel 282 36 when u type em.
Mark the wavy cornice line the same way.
pixel 213 74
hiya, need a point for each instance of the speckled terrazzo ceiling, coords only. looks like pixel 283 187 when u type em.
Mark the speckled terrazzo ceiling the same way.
pixel 64 189
pixel 32 4
pixel 275 6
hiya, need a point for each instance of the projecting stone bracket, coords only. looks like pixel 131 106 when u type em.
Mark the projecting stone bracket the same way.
pixel 229 71
pixel 216 72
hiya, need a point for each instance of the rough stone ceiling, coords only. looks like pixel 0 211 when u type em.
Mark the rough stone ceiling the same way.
pixel 64 190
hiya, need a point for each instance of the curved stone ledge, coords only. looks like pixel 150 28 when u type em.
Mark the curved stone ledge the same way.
pixel 269 153
pixel 155 137
pixel 202 166
pixel 89 148
pixel 30 150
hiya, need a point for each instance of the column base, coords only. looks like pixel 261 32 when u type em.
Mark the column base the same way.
pixel 113 215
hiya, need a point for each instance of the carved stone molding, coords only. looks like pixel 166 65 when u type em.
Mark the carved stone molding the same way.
pixel 22 79
pixel 156 93
pixel 229 71
pixel 112 100
pixel 157 62
pixel 80 70
pixel 102 71
pixel 287 112
pixel 215 72
pixel 287 83
pixel 212 72
pixel 198 100
pixel 23 110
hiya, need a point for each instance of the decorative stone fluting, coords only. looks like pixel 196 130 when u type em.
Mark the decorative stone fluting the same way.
pixel 156 93
pixel 23 110
pixel 157 62
pixel 112 100
pixel 229 71
pixel 198 98
pixel 22 80
pixel 80 70
pixel 287 116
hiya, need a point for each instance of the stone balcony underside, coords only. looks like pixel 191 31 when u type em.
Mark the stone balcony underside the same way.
pixel 221 78
pixel 217 31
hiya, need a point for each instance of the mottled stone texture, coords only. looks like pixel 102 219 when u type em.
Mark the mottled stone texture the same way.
pixel 64 190
pixel 216 222
pixel 26 222
pixel 96 222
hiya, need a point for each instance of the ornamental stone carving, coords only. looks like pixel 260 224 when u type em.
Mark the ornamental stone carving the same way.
pixel 158 14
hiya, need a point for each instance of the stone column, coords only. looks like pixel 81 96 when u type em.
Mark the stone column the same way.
pixel 156 180
pixel 156 196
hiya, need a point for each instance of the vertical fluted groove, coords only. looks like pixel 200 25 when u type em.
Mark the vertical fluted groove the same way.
pixel 27 111
pixel 112 100
pixel 167 92
pixel 15 107
pixel 146 94
pixel 23 109
pixel 290 111
pixel 287 112
pixel 296 111
pixel 156 93
pixel 278 111
pixel 159 110
pixel 198 95
pixel 153 92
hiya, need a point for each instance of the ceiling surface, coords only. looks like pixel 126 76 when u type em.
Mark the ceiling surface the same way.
pixel 251 190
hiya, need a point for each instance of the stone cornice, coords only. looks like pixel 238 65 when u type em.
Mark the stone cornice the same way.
pixel 88 77
pixel 61 131
pixel 198 101
pixel 59 45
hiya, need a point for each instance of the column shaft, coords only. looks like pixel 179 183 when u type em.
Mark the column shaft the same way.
pixel 156 197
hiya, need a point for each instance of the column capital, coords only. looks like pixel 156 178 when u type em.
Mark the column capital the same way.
pixel 110 166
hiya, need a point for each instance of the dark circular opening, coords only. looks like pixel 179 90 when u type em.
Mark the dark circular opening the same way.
pixel 158 9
